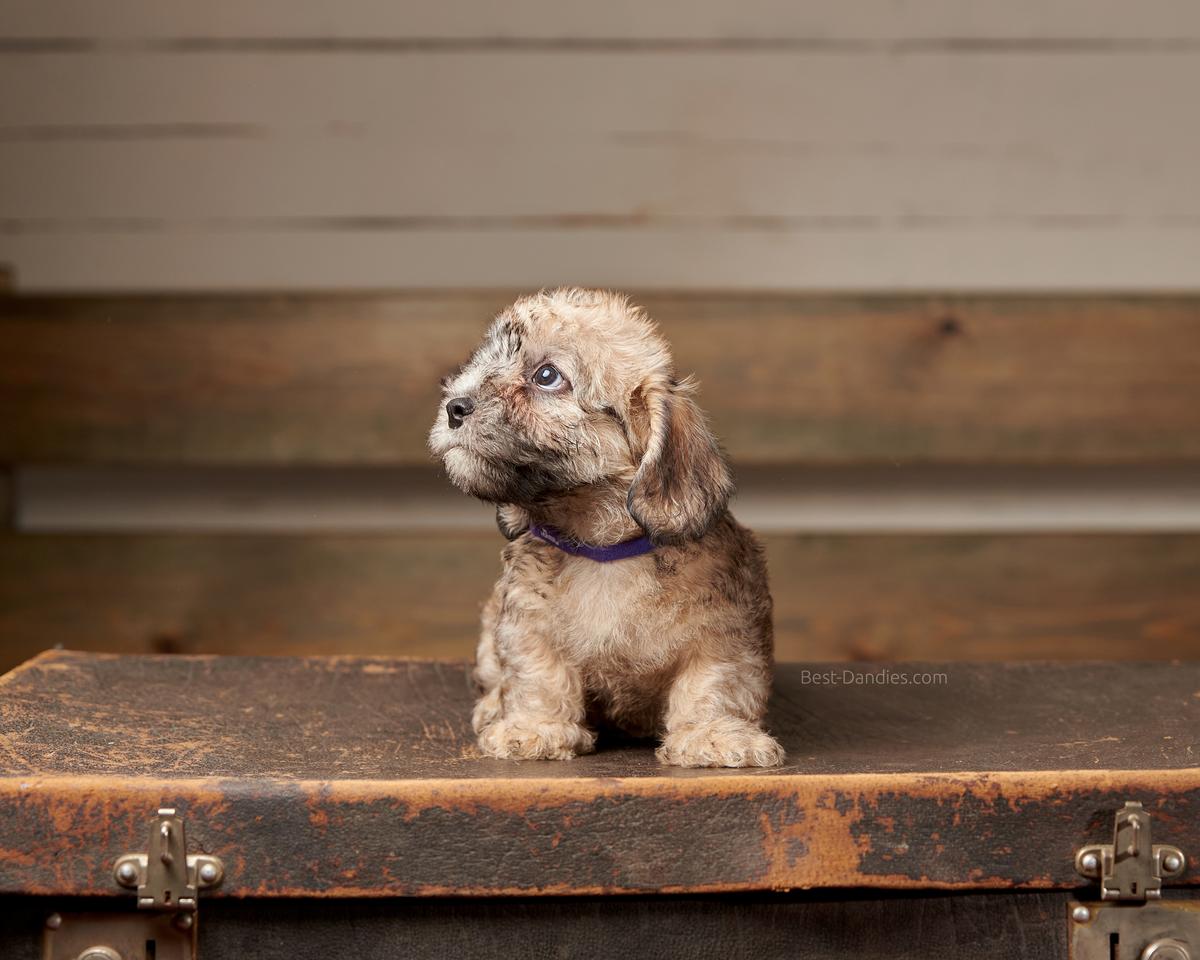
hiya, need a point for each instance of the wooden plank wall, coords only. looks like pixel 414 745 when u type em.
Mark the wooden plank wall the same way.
pixel 860 597
pixel 1106 385
pixel 7 500
pixel 673 145
pixel 354 379
pixel 665 144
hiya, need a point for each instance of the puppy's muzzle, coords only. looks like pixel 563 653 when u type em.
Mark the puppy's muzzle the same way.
pixel 457 410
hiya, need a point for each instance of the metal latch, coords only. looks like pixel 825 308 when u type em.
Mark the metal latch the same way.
pixel 1164 930
pixel 120 935
pixel 164 927
pixel 166 877
pixel 1132 867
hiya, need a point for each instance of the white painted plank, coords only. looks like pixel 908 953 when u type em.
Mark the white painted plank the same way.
pixel 549 19
pixel 992 139
pixel 749 101
pixel 815 500
pixel 1044 259
pixel 1004 168
pixel 385 175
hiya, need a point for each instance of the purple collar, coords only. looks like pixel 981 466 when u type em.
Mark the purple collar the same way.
pixel 618 551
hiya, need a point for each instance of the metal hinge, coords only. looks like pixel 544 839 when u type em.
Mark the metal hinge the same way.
pixel 165 928
pixel 1132 867
pixel 166 877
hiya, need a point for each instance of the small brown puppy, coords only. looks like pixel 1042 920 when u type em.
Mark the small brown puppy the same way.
pixel 629 593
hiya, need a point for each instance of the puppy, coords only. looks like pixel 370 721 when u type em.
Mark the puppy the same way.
pixel 629 594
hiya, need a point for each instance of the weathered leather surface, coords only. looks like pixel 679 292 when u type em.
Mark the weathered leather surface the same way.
pixel 357 777
pixel 267 719
pixel 996 926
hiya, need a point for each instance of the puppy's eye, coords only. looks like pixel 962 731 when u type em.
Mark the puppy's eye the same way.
pixel 548 377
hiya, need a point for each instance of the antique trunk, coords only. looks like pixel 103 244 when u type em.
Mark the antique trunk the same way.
pixel 223 807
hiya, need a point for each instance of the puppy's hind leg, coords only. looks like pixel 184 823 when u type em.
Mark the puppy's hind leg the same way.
pixel 713 717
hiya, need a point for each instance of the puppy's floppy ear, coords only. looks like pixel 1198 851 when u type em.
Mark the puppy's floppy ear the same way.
pixel 683 482
pixel 512 520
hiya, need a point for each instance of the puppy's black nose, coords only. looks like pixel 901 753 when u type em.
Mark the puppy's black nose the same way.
pixel 457 410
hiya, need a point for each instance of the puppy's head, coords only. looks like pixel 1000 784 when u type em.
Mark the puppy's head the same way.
pixel 575 387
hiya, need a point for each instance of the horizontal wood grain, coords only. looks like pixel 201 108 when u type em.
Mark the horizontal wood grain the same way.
pixel 239 148
pixel 219 178
pixel 346 777
pixel 1117 256
pixel 8 500
pixel 775 498
pixel 991 597
pixel 786 378
pixel 455 98
pixel 214 141
pixel 769 20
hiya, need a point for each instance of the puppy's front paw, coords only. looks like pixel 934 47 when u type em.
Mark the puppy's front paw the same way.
pixel 727 742
pixel 520 738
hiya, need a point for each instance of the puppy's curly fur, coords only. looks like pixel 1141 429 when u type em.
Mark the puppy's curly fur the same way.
pixel 569 415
